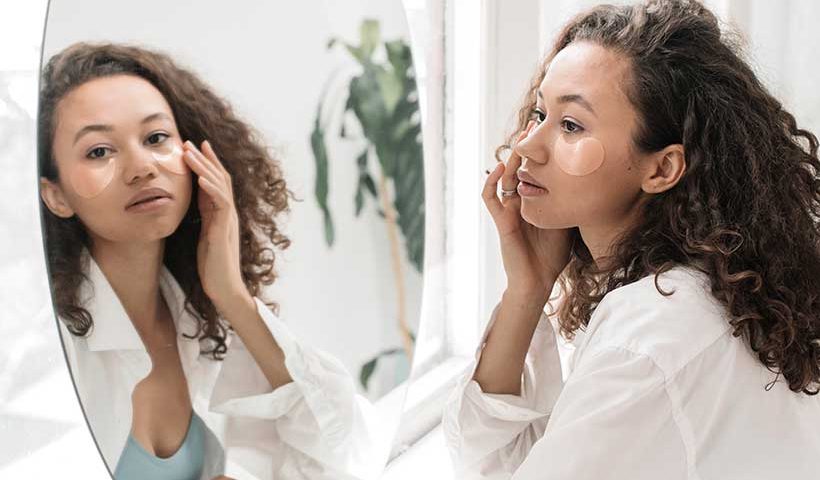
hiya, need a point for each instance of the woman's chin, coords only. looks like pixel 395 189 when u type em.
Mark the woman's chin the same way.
pixel 540 217
pixel 534 215
pixel 151 233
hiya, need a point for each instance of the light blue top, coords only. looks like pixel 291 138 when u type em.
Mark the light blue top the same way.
pixel 186 463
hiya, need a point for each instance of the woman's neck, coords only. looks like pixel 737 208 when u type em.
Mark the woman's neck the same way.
pixel 602 237
pixel 133 271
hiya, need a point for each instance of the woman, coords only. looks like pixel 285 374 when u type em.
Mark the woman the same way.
pixel 655 176
pixel 160 233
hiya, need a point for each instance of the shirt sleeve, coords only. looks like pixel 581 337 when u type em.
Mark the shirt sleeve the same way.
pixel 489 435
pixel 613 419
pixel 319 414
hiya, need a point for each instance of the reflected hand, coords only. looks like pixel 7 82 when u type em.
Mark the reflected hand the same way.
pixel 533 257
pixel 218 255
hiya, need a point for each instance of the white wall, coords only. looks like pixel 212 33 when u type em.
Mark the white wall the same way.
pixel 783 42
pixel 269 59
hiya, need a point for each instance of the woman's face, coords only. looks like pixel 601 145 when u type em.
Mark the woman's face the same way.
pixel 116 142
pixel 579 146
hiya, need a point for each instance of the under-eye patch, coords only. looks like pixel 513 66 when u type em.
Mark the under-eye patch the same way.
pixel 169 157
pixel 91 177
pixel 579 158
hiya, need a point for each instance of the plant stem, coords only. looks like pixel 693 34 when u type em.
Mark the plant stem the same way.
pixel 393 237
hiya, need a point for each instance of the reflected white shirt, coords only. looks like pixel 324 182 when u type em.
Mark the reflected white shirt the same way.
pixel 658 388
pixel 316 427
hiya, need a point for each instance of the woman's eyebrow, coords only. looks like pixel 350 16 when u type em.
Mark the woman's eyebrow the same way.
pixel 109 128
pixel 155 116
pixel 92 128
pixel 574 98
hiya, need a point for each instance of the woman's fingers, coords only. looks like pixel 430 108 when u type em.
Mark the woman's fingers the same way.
pixel 214 183
pixel 490 191
pixel 507 174
pixel 209 153
pixel 510 181
pixel 199 166
pixel 215 174
pixel 217 194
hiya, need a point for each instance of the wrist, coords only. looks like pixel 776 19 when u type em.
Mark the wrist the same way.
pixel 530 297
pixel 527 304
pixel 235 304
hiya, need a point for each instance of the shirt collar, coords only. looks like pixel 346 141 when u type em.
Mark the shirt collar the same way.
pixel 112 328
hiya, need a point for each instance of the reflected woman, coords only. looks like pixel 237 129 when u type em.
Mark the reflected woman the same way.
pixel 675 203
pixel 160 234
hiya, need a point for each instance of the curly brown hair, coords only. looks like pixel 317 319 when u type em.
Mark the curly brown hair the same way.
pixel 744 212
pixel 260 193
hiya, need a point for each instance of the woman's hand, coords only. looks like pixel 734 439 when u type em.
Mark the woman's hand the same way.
pixel 218 256
pixel 533 257
pixel 218 261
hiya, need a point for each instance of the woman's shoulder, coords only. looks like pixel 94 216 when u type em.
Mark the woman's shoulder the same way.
pixel 669 329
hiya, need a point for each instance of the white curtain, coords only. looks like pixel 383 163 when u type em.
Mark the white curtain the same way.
pixel 783 45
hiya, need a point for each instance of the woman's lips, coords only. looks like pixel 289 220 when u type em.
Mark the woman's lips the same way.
pixel 527 186
pixel 149 199
pixel 149 205
pixel 529 190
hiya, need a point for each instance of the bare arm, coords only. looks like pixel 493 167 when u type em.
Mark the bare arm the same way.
pixel 259 341
pixel 502 359
pixel 533 259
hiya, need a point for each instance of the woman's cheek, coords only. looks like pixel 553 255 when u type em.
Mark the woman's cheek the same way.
pixel 90 178
pixel 169 157
pixel 579 158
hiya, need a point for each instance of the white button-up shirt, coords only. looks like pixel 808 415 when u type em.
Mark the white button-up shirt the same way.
pixel 658 388
pixel 316 427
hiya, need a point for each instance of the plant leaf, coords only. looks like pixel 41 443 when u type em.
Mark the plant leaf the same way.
pixel 358 200
pixel 370 366
pixel 399 56
pixel 383 98
pixel 321 188
pixel 369 36
pixel 367 371
pixel 358 53
pixel 361 162
pixel 367 180
pixel 391 89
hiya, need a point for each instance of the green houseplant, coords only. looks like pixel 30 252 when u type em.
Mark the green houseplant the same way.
pixel 380 112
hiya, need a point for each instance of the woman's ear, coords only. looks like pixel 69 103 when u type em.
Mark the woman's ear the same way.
pixel 54 199
pixel 665 169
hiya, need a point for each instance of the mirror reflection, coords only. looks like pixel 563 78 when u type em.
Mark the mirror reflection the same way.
pixel 230 302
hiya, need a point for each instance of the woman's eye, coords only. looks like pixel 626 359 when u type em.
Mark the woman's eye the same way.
pixel 100 150
pixel 154 135
pixel 575 127
pixel 538 115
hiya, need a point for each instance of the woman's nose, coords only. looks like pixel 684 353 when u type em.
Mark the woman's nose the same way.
pixel 138 164
pixel 533 145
